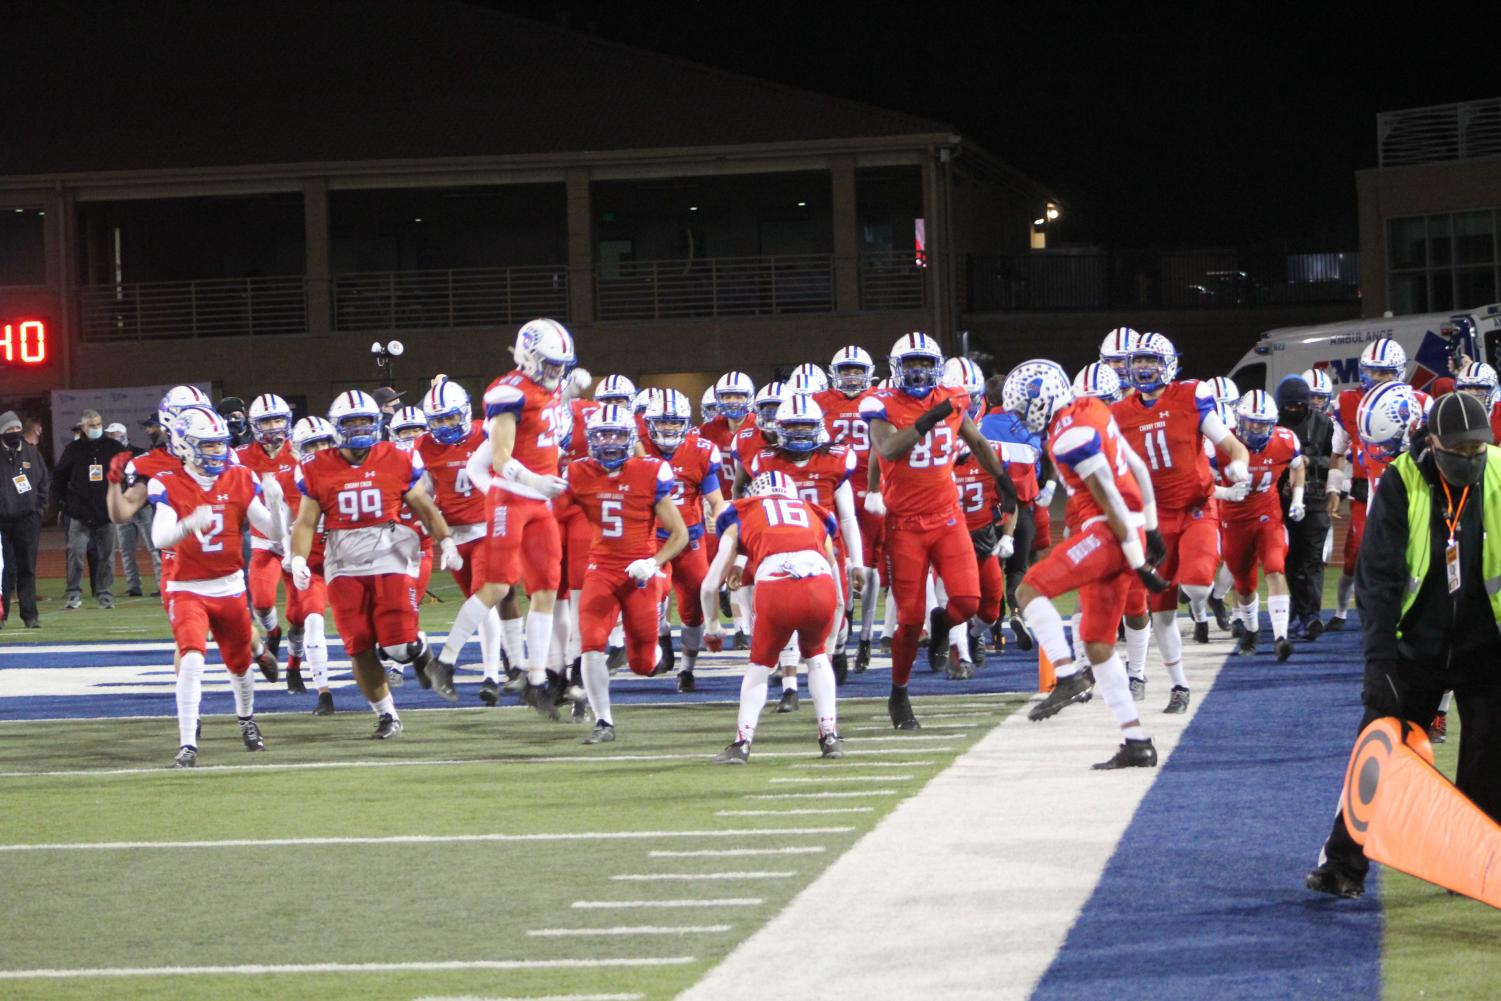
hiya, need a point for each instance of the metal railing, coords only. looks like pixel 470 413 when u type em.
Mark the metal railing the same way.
pixel 462 297
pixel 221 307
pixel 1463 131
pixel 723 286
pixel 892 280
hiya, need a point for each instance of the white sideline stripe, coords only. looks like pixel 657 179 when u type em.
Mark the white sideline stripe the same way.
pixel 303 968
pixel 729 852
pixel 821 795
pixel 448 762
pixel 544 997
pixel 928 716
pixel 866 764
pixel 926 726
pixel 1026 862
pixel 903 737
pixel 813 779
pixel 419 839
pixel 630 930
pixel 800 812
pixel 613 905
pixel 689 877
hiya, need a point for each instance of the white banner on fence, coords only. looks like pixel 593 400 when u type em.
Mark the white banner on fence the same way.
pixel 128 405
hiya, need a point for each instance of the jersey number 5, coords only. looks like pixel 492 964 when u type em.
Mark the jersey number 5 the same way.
pixel 611 525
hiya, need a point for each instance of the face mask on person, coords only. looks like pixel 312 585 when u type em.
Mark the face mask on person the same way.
pixel 94 433
pixel 1293 414
pixel 1459 469
pixel 12 439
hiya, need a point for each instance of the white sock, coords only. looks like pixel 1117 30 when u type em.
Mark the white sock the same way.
pixel 1110 678
pixel 1445 702
pixel 1222 582
pixel 316 645
pixel 1342 595
pixel 189 692
pixel 617 635
pixel 752 697
pixel 1047 627
pixel 294 641
pixel 959 637
pixel 489 645
pixel 559 645
pixel 741 603
pixel 1279 607
pixel 471 614
pixel 868 600
pixel 244 689
pixel 1170 645
pixel 513 640
pixel 888 626
pixel 1138 642
pixel 789 682
pixel 575 639
pixel 538 640
pixel 385 707
pixel 693 642
pixel 934 584
pixel 1198 601
pixel 1076 641
pixel 822 687
pixel 597 685
pixel 1250 613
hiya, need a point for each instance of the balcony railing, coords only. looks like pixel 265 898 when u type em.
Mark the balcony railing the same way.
pixel 723 286
pixel 892 280
pixel 1463 131
pixel 229 307
pixel 465 297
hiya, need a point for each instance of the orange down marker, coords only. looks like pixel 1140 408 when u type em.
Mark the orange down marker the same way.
pixel 1046 679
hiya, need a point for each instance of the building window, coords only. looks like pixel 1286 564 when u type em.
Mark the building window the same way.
pixel 1443 262
pixel 22 260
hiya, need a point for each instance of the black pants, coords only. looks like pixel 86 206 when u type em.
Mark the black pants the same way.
pixel 1479 773
pixel 1305 562
pixel 1021 556
pixel 21 538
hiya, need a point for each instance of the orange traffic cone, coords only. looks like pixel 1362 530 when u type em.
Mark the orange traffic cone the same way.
pixel 1046 679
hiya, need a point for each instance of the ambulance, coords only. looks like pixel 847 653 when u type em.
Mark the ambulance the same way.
pixel 1431 340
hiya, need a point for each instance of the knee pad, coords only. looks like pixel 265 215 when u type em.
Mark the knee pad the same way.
pixel 405 653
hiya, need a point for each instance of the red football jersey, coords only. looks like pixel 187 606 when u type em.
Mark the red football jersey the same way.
pixel 695 468
pixel 621 506
pixel 461 502
pixel 817 474
pixel 254 458
pixel 293 499
pixel 841 417
pixel 1345 407
pixel 540 425
pixel 215 552
pixel 1496 421
pixel 771 525
pixel 1083 437
pixel 1266 468
pixel 920 482
pixel 362 496
pixel 748 441
pixel 579 411
pixel 153 463
pixel 1165 433
pixel 977 493
pixel 722 434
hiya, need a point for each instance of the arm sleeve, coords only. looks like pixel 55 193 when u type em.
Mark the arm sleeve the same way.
pixel 478 466
pixel 708 591
pixel 849 522
pixel 260 516
pixel 1381 568
pixel 164 530
pixel 1214 429
pixel 1339 443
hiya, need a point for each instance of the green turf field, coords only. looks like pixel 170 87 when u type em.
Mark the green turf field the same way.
pixel 454 773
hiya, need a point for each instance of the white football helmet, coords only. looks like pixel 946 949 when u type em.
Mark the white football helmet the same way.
pixel 311 434
pixel 1386 418
pixel 1255 417
pixel 1099 380
pixel 446 407
pixel 734 392
pixel 1153 364
pixel 851 370
pixel 178 399
pixel 270 419
pixel 615 389
pixel 667 418
pixel 356 419
pixel 1320 389
pixel 799 423
pixel 201 439
pixel 708 406
pixel 544 352
pixel 643 399
pixel 1115 351
pixel 407 424
pixel 611 433
pixel 807 378
pixel 1478 379
pixel 768 398
pixel 1035 391
pixel 966 375
pixel 1226 410
pixel 1382 357
pixel 916 364
pixel 1224 390
pixel 772 484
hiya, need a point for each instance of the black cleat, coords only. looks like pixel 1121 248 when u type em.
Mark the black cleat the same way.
pixel 789 701
pixel 388 727
pixel 614 658
pixel 740 641
pixel 439 678
pixel 1247 645
pixel 294 681
pixel 737 753
pixel 1067 691
pixel 579 713
pixel 1334 625
pixel 325 706
pixel 1201 631
pixel 1131 754
pixel 273 641
pixel 489 692
pixel 830 746
pixel 251 735
pixel 959 669
pixel 668 660
pixel 1335 880
pixel 900 708
pixel 841 664
pixel 187 757
pixel 1022 633
pixel 725 612
pixel 938 639
pixel 1138 689
pixel 862 657
pixel 1237 629
pixel 1177 701
pixel 1220 612
pixel 425 660
pixel 1284 648
pixel 977 645
pixel 603 733
pixel 266 661
pixel 686 684
pixel 540 698
pixel 1313 628
pixel 885 646
pixel 515 681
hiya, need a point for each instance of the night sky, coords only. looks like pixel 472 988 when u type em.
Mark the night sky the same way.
pixel 1160 126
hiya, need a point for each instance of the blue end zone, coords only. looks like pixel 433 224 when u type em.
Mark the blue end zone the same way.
pixel 1204 896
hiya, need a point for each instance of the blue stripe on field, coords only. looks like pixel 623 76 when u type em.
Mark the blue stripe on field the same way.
pixel 1204 896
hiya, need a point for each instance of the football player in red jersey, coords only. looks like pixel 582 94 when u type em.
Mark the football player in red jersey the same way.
pixel 517 466
pixel 1166 423
pixel 733 395
pixel 625 497
pixel 695 464
pixel 267 454
pixel 200 509
pixel 403 428
pixel 1480 381
pixel 1109 504
pixel 762 434
pixel 916 428
pixel 785 544
pixel 306 608
pixel 370 557
pixel 1252 530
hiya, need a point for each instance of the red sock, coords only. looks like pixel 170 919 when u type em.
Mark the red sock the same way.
pixel 903 653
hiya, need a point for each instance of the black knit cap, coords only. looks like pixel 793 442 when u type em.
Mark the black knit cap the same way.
pixel 1458 418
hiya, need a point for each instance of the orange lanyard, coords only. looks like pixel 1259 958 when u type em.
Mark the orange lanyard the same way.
pixel 1453 522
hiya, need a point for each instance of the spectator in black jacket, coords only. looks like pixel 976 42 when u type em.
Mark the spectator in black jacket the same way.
pixel 24 482
pixel 81 488
pixel 1306 538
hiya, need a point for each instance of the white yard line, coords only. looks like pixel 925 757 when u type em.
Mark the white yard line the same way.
pixel 1027 828
pixel 305 968
pixel 629 930
pixel 690 877
pixel 625 905
pixel 883 717
pixel 821 795
pixel 799 812
pixel 417 839
pixel 737 852
pixel 820 779
pixel 866 764
pixel 925 726
pixel 544 997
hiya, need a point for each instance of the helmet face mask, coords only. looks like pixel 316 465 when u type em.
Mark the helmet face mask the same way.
pixel 356 420
pixel 310 435
pixel 1036 390
pixel 1255 419
pixel 667 420
pixel 201 440
pixel 446 408
pixel 611 434
pixel 408 424
pixel 852 379
pixel 1098 380
pixel 916 365
pixel 734 392
pixel 1383 360
pixel 1385 420
pixel 544 352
